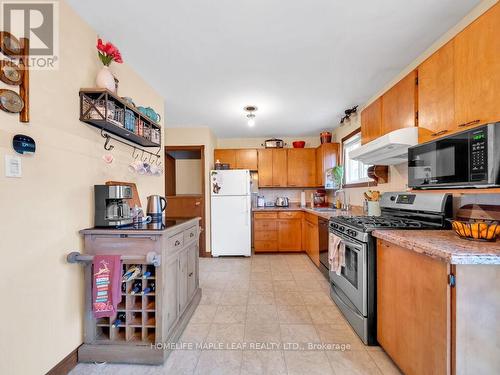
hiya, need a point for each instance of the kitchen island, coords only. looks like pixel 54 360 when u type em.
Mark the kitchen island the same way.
pixel 432 290
pixel 156 307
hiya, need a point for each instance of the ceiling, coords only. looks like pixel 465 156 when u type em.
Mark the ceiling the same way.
pixel 302 63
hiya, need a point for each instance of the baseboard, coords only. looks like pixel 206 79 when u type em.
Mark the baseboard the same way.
pixel 67 364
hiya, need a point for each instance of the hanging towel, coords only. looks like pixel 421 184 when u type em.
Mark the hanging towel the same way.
pixel 106 285
pixel 336 253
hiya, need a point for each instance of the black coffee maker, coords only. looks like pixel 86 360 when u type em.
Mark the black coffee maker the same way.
pixel 111 206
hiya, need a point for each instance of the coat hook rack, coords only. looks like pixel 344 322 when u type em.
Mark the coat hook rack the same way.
pixel 109 147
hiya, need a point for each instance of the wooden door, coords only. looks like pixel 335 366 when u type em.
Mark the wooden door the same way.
pixel 436 94
pixel 171 305
pixel 399 105
pixel 326 157
pixel 413 310
pixel 477 71
pixel 371 121
pixel 225 156
pixel 188 206
pixel 170 182
pixel 183 280
pixel 289 235
pixel 192 271
pixel 246 159
pixel 301 167
pixel 280 162
pixel 265 167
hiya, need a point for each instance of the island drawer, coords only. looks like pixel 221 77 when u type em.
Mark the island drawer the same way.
pixel 176 242
pixel 190 234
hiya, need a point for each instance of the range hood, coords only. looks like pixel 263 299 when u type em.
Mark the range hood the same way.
pixel 389 149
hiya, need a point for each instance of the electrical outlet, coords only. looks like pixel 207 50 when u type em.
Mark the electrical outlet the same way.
pixel 13 167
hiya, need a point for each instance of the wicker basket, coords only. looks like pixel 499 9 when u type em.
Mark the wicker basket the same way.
pixel 478 230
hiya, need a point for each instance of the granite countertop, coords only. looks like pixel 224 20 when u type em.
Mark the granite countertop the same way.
pixel 355 210
pixel 168 225
pixel 444 245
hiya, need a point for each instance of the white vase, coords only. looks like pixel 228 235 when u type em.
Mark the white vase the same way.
pixel 105 79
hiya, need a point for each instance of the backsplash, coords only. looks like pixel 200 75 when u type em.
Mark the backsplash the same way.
pixel 292 194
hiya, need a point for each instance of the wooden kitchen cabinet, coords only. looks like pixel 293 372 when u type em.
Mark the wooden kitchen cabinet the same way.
pixel 371 121
pixel 237 158
pixel 477 71
pixel 301 167
pixel 413 309
pixel 399 105
pixel 327 156
pixel 272 167
pixel 436 94
pixel 225 157
pixel 311 237
pixel 277 231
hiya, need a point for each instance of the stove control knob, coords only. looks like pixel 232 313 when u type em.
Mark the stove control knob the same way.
pixel 341 228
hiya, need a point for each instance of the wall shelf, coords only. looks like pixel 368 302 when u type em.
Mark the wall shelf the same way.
pixel 106 111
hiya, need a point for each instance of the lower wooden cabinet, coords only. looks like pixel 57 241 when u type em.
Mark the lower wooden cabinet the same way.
pixel 278 231
pixel 413 309
pixel 310 237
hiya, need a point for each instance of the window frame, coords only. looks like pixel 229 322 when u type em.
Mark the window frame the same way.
pixel 356 184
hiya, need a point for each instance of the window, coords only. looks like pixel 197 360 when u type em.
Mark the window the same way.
pixel 355 172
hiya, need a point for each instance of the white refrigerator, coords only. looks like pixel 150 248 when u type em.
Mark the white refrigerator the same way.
pixel 230 212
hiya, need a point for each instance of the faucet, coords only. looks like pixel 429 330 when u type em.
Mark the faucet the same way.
pixel 344 205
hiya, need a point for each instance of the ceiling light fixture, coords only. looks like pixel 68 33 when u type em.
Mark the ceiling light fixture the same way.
pixel 251 115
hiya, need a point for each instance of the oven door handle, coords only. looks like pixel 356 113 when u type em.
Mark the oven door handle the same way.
pixel 357 247
pixel 339 298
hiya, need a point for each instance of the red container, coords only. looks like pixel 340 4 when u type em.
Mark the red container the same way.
pixel 326 137
pixel 298 144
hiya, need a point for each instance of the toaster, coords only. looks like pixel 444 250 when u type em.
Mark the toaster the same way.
pixel 281 202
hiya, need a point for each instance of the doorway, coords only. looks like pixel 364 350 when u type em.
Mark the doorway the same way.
pixel 185 185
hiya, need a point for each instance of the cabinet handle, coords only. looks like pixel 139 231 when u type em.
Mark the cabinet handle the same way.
pixel 469 123
pixel 177 243
pixel 191 274
pixel 191 234
pixel 439 133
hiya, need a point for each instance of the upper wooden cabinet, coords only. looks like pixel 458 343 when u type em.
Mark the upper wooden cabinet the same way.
pixel 225 156
pixel 272 167
pixel 399 105
pixel 327 156
pixel 371 121
pixel 301 167
pixel 246 159
pixel 436 93
pixel 477 71
pixel 237 158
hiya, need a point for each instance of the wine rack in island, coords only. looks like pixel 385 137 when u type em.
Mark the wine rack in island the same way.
pixel 156 302
pixel 135 318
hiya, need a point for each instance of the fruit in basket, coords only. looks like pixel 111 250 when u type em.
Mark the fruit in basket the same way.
pixel 474 228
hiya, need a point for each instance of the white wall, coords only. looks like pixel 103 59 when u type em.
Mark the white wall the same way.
pixel 42 296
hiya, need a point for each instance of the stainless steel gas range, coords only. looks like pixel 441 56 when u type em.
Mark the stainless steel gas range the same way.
pixel 354 290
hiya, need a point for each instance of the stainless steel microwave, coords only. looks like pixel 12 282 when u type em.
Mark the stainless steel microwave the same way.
pixel 467 159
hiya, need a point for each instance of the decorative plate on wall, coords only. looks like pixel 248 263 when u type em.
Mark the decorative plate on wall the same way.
pixel 9 44
pixel 10 101
pixel 10 73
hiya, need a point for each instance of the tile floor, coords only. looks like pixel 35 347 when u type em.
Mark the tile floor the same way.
pixel 279 299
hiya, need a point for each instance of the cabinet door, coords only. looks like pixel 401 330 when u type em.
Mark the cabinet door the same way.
pixel 246 159
pixel 436 94
pixel 313 242
pixel 171 293
pixel 192 269
pixel 290 235
pixel 225 156
pixel 399 105
pixel 265 167
pixel 183 280
pixel 413 309
pixel 326 158
pixel 301 167
pixel 280 161
pixel 371 121
pixel 477 71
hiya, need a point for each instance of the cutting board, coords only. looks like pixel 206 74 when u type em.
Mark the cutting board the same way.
pixel 136 200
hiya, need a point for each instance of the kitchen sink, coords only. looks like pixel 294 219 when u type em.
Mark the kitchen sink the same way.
pixel 324 209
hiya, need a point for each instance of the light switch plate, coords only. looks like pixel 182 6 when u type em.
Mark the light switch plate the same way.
pixel 13 167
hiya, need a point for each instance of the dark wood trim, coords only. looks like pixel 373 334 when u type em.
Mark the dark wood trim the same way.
pixel 353 133
pixel 203 250
pixel 360 184
pixel 67 364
